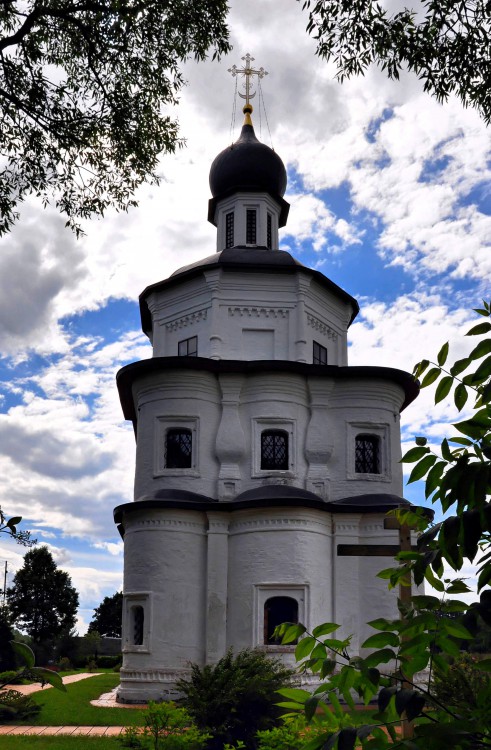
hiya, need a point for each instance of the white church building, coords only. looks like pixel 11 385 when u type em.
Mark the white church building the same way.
pixel 260 453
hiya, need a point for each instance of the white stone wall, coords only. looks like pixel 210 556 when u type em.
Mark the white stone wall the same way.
pixel 226 414
pixel 250 316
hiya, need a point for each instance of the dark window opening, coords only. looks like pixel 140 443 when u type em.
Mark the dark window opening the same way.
pixel 251 227
pixel 137 620
pixel 229 230
pixel 274 450
pixel 277 610
pixel 188 347
pixel 178 449
pixel 269 232
pixel 367 454
pixel 320 354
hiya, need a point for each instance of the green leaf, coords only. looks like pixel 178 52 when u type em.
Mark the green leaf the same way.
pixel 458 587
pixel 446 453
pixel 484 369
pixel 421 469
pixel 421 441
pixel 484 664
pixel 433 478
pixel 380 657
pixel 319 652
pixel 384 697
pixel 430 377
pixel 311 706
pixel 379 640
pixel 328 667
pixel 381 624
pixel 324 629
pixel 23 650
pixel 292 633
pixel 479 329
pixel 304 647
pixel 414 454
pixel 442 355
pixel 295 694
pixel 460 365
pixel 456 629
pixel 443 388
pixel 483 348
pixel 434 581
pixel 347 738
pixel 47 675
pixel 15 521
pixel 460 396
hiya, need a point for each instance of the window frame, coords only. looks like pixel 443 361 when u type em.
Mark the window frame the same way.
pixel 181 431
pixel 267 590
pixel 187 342
pixel 251 227
pixel 318 356
pixel 229 229
pixel 275 434
pixel 376 429
pixel 262 424
pixel 179 422
pixel 366 438
pixel 131 601
pixel 294 620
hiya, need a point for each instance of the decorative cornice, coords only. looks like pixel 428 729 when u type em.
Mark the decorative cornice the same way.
pixel 151 675
pixel 167 523
pixel 279 524
pixel 187 320
pixel 259 312
pixel 318 325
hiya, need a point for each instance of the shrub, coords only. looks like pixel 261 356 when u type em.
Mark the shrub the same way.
pixel 459 687
pixel 91 665
pixel 10 677
pixel 15 706
pixel 236 697
pixel 64 664
pixel 166 727
pixel 107 662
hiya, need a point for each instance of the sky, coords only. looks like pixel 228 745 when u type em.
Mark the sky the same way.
pixel 390 198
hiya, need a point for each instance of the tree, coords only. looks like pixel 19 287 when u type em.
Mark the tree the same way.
pixel 85 89
pixel 9 526
pixel 107 616
pixel 42 600
pixel 446 43
pixel 428 634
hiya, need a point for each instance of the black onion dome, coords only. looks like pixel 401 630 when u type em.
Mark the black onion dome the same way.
pixel 247 165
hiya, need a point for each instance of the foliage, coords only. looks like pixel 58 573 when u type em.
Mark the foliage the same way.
pixel 107 616
pixel 292 735
pixel 166 728
pixel 235 697
pixel 445 43
pixel 431 631
pixel 42 600
pixel 16 706
pixel 461 685
pixel 7 654
pixel 58 742
pixel 9 525
pixel 83 94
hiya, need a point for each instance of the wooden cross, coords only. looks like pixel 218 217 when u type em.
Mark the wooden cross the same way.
pixel 388 550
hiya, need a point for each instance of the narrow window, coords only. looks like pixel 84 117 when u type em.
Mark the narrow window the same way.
pixel 274 450
pixel 367 454
pixel 320 354
pixel 251 227
pixel 178 448
pixel 137 621
pixel 188 347
pixel 229 229
pixel 269 232
pixel 278 609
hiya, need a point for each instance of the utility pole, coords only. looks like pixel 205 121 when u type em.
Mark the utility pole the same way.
pixel 5 583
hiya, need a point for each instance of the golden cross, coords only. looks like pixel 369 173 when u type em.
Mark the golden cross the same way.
pixel 247 71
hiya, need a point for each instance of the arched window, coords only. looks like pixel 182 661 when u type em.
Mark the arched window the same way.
pixel 367 454
pixel 278 609
pixel 137 620
pixel 178 448
pixel 274 450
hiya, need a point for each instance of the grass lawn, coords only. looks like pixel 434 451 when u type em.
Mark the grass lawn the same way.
pixel 60 743
pixel 74 708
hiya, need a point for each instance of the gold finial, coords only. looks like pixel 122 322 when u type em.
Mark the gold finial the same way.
pixel 247 72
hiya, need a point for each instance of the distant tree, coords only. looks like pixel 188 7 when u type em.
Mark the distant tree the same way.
pixel 107 616
pixel 85 89
pixel 42 600
pixel 445 42
pixel 9 526
pixel 7 655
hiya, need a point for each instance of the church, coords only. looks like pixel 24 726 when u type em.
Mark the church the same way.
pixel 262 457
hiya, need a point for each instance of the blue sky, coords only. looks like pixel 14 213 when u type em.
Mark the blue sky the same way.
pixel 389 196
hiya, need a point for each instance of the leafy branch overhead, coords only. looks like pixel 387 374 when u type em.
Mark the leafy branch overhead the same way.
pixel 85 91
pixel 9 526
pixel 445 43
